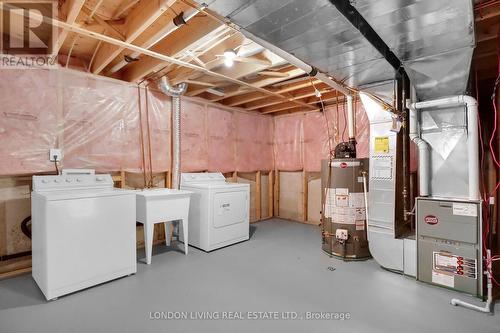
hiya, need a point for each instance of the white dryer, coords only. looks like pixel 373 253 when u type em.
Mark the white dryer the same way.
pixel 219 211
pixel 83 232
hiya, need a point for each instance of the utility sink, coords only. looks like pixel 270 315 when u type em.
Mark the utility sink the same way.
pixel 162 205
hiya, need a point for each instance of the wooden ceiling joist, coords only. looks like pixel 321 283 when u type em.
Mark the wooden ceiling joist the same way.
pixel 72 9
pixel 139 19
pixel 178 42
pixel 260 84
pixel 251 97
pixel 161 58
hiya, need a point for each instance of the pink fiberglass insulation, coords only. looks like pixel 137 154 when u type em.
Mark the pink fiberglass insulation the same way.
pixel 221 148
pixel 194 145
pixel 288 142
pixel 96 116
pixel 28 120
pixel 316 145
pixel 254 149
pixel 301 139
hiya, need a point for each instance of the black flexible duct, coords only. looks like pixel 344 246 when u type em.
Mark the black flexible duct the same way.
pixel 24 227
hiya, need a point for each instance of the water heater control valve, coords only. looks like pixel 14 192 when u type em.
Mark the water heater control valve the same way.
pixel 341 235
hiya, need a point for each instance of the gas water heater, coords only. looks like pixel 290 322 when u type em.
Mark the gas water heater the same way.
pixel 344 208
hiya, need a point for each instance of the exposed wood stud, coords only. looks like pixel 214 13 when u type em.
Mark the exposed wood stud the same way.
pixel 270 188
pixel 276 193
pixel 305 195
pixel 258 196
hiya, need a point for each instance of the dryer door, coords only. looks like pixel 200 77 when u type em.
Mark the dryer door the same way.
pixel 229 207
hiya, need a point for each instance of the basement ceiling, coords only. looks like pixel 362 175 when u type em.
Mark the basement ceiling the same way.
pixel 433 38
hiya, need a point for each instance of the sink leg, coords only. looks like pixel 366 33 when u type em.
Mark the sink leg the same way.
pixel 185 234
pixel 168 234
pixel 149 229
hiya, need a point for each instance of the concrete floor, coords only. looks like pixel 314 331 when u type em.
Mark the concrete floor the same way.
pixel 280 269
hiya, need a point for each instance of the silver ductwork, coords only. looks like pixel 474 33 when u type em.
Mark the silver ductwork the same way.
pixel 175 93
pixel 471 108
pixel 434 39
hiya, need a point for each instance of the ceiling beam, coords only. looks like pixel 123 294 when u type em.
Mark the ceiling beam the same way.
pixel 206 52
pixel 242 69
pixel 156 55
pixel 260 83
pixel 124 6
pixel 272 73
pixel 327 96
pixel 302 93
pixel 72 9
pixel 487 13
pixel 179 41
pixel 253 96
pixel 139 19
pixel 109 29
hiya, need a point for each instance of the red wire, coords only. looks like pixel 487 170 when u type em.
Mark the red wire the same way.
pixel 493 155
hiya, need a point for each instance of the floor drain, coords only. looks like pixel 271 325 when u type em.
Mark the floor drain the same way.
pixel 330 268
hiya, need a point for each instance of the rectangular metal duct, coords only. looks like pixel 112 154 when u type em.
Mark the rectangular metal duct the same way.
pixel 433 38
pixel 313 31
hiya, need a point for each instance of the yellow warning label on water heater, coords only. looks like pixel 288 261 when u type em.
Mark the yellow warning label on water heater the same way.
pixel 381 144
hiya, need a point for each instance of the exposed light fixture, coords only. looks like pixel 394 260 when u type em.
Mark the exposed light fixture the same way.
pixel 229 56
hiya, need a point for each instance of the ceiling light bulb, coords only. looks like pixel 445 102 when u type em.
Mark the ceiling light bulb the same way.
pixel 228 62
pixel 317 93
pixel 229 56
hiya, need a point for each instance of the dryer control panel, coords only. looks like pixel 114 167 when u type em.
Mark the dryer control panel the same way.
pixel 202 177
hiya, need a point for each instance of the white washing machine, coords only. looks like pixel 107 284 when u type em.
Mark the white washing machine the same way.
pixel 219 211
pixel 83 232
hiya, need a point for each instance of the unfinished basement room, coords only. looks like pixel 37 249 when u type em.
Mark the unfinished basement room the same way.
pixel 249 166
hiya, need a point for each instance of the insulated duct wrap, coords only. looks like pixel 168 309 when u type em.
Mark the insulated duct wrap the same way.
pixel 175 93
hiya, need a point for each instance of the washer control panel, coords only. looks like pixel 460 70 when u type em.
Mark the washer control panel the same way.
pixel 71 181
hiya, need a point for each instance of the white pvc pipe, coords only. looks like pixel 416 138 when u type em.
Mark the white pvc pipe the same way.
pixel 472 140
pixel 487 307
pixel 423 150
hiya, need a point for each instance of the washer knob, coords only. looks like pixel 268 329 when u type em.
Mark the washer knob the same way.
pixel 79 180
pixel 99 179
pixel 68 180
pixel 45 181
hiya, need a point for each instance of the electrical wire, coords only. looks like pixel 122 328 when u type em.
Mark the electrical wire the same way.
pixel 325 117
pixel 57 167
pixel 485 195
pixel 344 105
